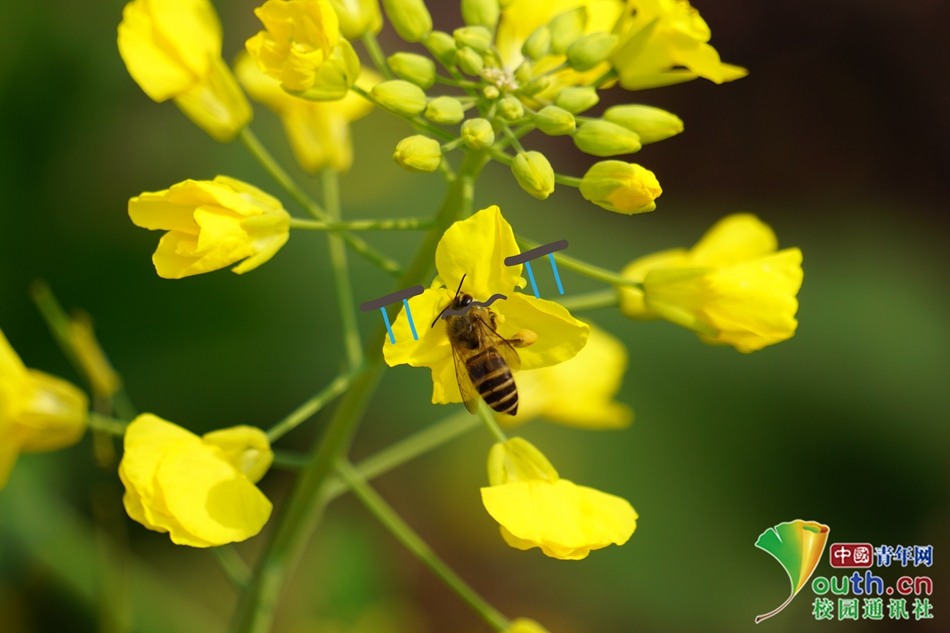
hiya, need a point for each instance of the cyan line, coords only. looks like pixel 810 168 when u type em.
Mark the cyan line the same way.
pixel 531 277
pixel 412 325
pixel 557 277
pixel 392 339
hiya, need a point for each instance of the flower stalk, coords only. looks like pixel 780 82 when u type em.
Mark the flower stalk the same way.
pixel 341 272
pixel 396 224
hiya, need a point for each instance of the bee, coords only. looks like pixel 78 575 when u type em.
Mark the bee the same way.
pixel 484 360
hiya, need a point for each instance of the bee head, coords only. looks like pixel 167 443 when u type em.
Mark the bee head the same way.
pixel 464 301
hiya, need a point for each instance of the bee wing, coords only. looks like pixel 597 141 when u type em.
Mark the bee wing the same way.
pixel 509 353
pixel 469 393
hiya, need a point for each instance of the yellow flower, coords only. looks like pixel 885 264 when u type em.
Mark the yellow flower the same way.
pixel 733 288
pixel 103 378
pixel 522 17
pixel 172 49
pixel 658 37
pixel 38 412
pixel 211 224
pixel 578 392
pixel 318 131
pixel 524 625
pixel 536 508
pixel 477 248
pixel 301 47
pixel 198 489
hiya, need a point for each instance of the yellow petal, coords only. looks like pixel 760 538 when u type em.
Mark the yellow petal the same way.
pixel 560 336
pixel 54 415
pixel 735 238
pixel 155 211
pixel 174 258
pixel 216 103
pixel 146 441
pixel 565 520
pixel 477 247
pixel 631 299
pixel 11 367
pixel 246 447
pixel 190 27
pixel 209 497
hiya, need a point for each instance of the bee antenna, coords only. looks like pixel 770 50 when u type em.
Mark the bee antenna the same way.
pixel 447 307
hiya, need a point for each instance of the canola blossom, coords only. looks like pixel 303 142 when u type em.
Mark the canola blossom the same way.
pixel 38 412
pixel 172 48
pixel 318 131
pixel 476 248
pixel 211 224
pixel 536 508
pixel 734 287
pixel 578 392
pixel 200 490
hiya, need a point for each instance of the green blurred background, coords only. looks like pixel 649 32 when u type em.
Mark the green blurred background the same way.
pixel 838 138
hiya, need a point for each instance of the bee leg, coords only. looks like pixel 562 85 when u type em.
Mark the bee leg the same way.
pixel 523 338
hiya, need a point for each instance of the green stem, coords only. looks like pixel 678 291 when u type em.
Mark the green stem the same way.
pixel 589 270
pixel 278 173
pixel 501 157
pixel 488 418
pixel 570 181
pixel 304 507
pixel 341 272
pixel 309 408
pixel 233 566
pixel 512 138
pixel 458 83
pixel 608 298
pixel 416 122
pixel 607 76
pixel 398 224
pixel 376 54
pixel 414 543
pixel 106 425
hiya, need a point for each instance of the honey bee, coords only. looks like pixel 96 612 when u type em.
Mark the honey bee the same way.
pixel 484 360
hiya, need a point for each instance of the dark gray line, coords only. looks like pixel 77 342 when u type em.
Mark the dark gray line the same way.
pixel 392 297
pixel 535 253
pixel 490 301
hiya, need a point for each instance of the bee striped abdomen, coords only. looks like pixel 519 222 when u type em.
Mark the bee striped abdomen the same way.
pixel 492 377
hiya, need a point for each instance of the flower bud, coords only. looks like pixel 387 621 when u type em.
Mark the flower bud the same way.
pixel 481 12
pixel 577 100
pixel 621 187
pixel 603 138
pixel 410 18
pixel 477 37
pixel 590 51
pixel 650 124
pixel 534 173
pixel 442 47
pixel 510 108
pixel 418 69
pixel 538 43
pixel 470 62
pixel 554 121
pixel 566 29
pixel 400 97
pixel 445 110
pixel 491 92
pixel 536 85
pixel 358 17
pixel 478 134
pixel 418 154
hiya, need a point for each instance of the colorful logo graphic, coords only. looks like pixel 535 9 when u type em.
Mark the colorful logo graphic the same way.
pixel 797 546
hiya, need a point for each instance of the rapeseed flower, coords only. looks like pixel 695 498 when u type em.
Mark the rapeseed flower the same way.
pixel 198 489
pixel 477 248
pixel 211 224
pixel 38 412
pixel 301 47
pixel 664 42
pixel 734 287
pixel 318 131
pixel 578 392
pixel 172 49
pixel 536 508
pixel 621 187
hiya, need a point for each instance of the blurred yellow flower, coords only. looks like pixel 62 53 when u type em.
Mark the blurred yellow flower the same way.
pixel 172 49
pixel 536 508
pixel 524 625
pixel 661 37
pixel 732 288
pixel 198 489
pixel 578 392
pixel 211 224
pixel 318 131
pixel 38 412
pixel 477 248
pixel 103 378
pixel 301 47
